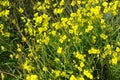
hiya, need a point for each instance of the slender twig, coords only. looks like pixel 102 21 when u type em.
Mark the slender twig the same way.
pixel 11 75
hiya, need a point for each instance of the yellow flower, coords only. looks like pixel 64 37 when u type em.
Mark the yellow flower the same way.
pixel 1 26
pixel 79 56
pixel 46 40
pixel 96 10
pixel 24 39
pixel 105 4
pixel 107 47
pixel 2 48
pixel 72 77
pixel 6 34
pixel 93 39
pixel 63 74
pixel 5 3
pixel 89 29
pixel 27 66
pixel 94 51
pixel 20 10
pixel 82 64
pixel 17 56
pixel 53 32
pixel 23 19
pixel 103 36
pixel 88 74
pixel 59 51
pixel 78 2
pixel 81 78
pixel 114 54
pixel 102 21
pixel 62 2
pixel 19 49
pixel 117 49
pixel 73 15
pixel 45 69
pixel 62 38
pixel 58 10
pixel 73 3
pixel 38 20
pixel 36 14
pixel 57 60
pixel 118 43
pixel 32 77
pixel 114 60
pixel 57 73
pixel 11 56
pixel 6 13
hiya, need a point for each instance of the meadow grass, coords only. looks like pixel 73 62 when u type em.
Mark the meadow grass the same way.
pixel 60 39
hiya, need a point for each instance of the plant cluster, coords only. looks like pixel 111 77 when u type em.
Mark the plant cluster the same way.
pixel 59 39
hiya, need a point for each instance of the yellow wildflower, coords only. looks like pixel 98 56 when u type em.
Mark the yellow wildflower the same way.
pixel 58 10
pixel 59 51
pixel 62 2
pixel 19 49
pixel 89 29
pixel 27 66
pixel 72 77
pixel 32 77
pixel 88 74
pixel 62 38
pixel 114 61
pixel 114 54
pixel 63 74
pixel 79 56
pixel 73 3
pixel 103 36
pixel 53 32
pixel 107 47
pixel 93 39
pixel 105 4
pixel 20 10
pixel 5 3
pixel 81 78
pixel 57 60
pixel 36 14
pixel 57 73
pixel 118 43
pixel 46 40
pixel 82 64
pixel 117 49
pixel 73 15
pixel 96 10
pixel 23 19
pixel 24 39
pixel 17 56
pixel 94 51
pixel 44 68
pixel 78 2
pixel 2 48
pixel 38 20
pixel 102 21
pixel 6 13
pixel 11 56
pixel 7 34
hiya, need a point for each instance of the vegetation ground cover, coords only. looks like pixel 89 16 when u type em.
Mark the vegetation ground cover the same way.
pixel 59 39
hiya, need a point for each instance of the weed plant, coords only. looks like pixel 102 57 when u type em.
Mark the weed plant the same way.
pixel 59 39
